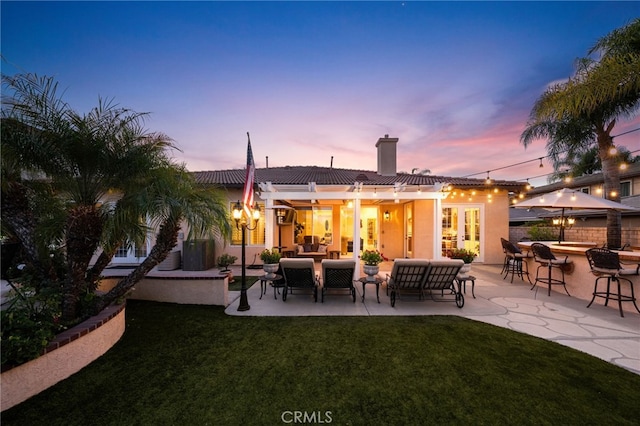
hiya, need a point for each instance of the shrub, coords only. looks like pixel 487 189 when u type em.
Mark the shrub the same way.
pixel 467 256
pixel 270 257
pixel 372 257
pixel 542 232
pixel 225 260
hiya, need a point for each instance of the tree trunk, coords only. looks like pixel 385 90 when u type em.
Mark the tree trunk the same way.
pixel 93 275
pixel 83 231
pixel 611 175
pixel 166 240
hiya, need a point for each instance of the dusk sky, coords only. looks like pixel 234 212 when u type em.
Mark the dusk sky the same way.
pixel 454 81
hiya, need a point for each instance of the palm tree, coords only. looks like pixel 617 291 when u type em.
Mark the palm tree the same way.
pixel 84 158
pixel 582 112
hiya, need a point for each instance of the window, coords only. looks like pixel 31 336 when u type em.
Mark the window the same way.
pixel 585 190
pixel 625 189
pixel 252 237
pixel 316 222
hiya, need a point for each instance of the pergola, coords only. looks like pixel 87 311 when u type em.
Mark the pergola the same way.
pixel 359 194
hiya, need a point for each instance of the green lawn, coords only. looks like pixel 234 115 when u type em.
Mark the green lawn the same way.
pixel 193 365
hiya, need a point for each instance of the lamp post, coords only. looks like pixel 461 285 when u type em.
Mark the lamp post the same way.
pixel 241 223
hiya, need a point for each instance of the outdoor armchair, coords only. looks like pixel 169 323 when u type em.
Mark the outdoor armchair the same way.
pixel 338 275
pixel 299 274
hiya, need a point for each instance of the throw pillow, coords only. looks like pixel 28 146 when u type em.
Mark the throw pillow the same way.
pixel 307 248
pixel 322 248
pixel 300 249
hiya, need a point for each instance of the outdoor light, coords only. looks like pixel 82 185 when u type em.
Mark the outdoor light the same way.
pixel 280 213
pixel 387 215
pixel 488 180
pixel 240 217
pixel 541 165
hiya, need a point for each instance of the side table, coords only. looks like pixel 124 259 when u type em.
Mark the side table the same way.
pixel 334 254
pixel 462 284
pixel 377 282
pixel 264 280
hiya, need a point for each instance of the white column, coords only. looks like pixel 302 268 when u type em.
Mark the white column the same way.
pixel 356 228
pixel 269 220
pixel 437 236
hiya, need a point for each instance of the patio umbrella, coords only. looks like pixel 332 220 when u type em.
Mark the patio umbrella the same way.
pixel 571 199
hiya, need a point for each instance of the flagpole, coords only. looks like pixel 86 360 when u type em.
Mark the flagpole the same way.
pixel 242 214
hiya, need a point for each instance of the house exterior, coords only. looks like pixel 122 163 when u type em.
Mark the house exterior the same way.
pixel 589 225
pixel 400 214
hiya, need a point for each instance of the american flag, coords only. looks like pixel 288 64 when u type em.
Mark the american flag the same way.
pixel 247 196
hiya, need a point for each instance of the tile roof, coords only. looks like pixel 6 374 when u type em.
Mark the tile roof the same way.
pixel 302 175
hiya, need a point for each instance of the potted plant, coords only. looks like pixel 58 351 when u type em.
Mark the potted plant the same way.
pixel 270 259
pixel 371 259
pixel 225 260
pixel 467 257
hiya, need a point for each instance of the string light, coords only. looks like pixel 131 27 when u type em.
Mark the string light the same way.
pixel 488 180
pixel 541 165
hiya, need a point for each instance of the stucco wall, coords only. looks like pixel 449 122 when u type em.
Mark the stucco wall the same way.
pixel 190 290
pixel 84 344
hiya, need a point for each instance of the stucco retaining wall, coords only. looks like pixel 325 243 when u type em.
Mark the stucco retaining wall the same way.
pixel 191 290
pixel 67 354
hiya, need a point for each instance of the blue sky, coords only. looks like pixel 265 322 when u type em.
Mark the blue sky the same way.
pixel 455 81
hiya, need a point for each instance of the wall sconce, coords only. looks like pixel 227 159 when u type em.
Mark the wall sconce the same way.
pixel 280 213
pixel 387 215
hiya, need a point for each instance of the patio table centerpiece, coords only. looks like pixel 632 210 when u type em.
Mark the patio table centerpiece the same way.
pixel 371 259
pixel 270 259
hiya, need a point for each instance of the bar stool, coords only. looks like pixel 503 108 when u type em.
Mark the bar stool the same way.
pixel 542 255
pixel 514 260
pixel 606 264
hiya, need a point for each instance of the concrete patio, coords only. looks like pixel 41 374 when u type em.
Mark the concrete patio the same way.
pixel 598 330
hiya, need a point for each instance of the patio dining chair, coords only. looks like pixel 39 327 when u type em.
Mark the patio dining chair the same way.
pixel 542 254
pixel 605 263
pixel 338 275
pixel 299 274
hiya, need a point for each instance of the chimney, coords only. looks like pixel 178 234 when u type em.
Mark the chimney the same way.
pixel 387 156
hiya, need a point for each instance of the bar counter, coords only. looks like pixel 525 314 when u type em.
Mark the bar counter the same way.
pixel 579 280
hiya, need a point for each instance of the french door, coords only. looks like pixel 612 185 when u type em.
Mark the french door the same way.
pixel 462 227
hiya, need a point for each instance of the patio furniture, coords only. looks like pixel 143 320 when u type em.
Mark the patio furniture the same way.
pixel 514 261
pixel 407 276
pixel 542 255
pixel 377 281
pixel 462 283
pixel 276 282
pixel 441 276
pixel 605 263
pixel 338 275
pixel 299 274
